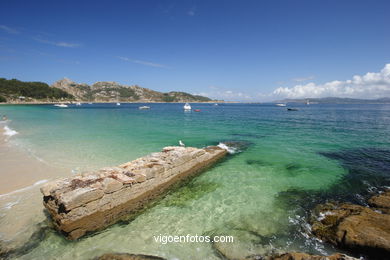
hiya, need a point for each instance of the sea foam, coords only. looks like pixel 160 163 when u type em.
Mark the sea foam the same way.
pixel 24 189
pixel 230 150
pixel 9 132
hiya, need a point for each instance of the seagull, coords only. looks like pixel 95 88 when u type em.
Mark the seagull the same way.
pixel 181 143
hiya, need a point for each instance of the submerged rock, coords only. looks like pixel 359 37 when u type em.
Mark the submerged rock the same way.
pixel 125 256
pixel 92 201
pixel 360 229
pixel 304 256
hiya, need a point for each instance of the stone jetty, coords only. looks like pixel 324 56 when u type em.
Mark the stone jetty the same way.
pixel 92 201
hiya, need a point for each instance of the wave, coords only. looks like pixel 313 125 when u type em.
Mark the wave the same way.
pixel 233 147
pixel 231 150
pixel 24 189
pixel 9 131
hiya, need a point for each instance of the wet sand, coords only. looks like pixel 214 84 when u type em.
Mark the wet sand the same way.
pixel 19 169
pixel 21 208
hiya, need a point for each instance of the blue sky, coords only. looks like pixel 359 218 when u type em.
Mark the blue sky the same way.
pixel 234 50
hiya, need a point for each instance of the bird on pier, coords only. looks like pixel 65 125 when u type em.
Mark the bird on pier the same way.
pixel 181 143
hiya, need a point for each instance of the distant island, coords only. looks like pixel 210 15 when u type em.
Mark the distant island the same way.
pixel 65 90
pixel 336 100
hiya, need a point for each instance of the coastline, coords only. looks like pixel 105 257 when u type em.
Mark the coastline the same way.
pixel 20 201
pixel 20 169
pixel 108 102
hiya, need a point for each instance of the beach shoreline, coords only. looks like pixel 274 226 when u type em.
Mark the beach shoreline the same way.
pixel 21 169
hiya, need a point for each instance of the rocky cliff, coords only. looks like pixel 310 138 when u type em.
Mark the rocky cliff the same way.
pixel 107 91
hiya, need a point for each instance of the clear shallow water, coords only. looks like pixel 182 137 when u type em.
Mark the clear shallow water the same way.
pixel 261 196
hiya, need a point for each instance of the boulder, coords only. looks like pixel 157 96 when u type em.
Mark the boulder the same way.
pixel 381 202
pixel 360 229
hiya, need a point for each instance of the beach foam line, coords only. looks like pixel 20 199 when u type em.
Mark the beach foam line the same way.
pixel 9 132
pixel 24 189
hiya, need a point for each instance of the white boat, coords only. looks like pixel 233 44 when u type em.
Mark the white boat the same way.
pixel 144 107
pixel 215 104
pixel 281 105
pixel 61 105
pixel 118 104
pixel 78 104
pixel 307 102
pixel 90 103
pixel 187 107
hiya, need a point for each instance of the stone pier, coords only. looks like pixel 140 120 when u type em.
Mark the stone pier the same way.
pixel 92 201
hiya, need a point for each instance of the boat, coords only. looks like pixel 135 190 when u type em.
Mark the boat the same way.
pixel 61 105
pixel 187 107
pixel 307 102
pixel 90 103
pixel 292 109
pixel 215 104
pixel 78 104
pixel 144 107
pixel 281 105
pixel 197 110
pixel 118 104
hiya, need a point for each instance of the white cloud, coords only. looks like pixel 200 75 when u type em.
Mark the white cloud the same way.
pixel 370 85
pixel 8 29
pixel 59 44
pixel 146 63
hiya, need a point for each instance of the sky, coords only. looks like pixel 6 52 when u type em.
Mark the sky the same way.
pixel 231 50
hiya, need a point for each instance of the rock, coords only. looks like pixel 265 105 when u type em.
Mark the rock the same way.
pixel 128 257
pixel 88 202
pixel 111 185
pixel 78 197
pixel 353 227
pixel 304 256
pixel 381 202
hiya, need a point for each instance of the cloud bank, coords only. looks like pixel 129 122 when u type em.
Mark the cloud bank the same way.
pixel 369 86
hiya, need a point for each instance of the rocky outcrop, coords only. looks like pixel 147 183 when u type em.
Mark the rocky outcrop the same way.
pixel 92 201
pixel 109 91
pixel 303 256
pixel 125 256
pixel 381 202
pixel 354 227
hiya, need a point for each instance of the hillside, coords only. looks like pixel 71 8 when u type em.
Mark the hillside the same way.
pixel 14 90
pixel 111 91
pixel 336 100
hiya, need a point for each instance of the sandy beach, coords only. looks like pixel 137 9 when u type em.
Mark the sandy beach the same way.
pixel 20 199
pixel 19 169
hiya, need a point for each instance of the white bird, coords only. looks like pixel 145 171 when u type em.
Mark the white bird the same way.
pixel 181 143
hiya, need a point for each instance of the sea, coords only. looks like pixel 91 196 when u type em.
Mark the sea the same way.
pixel 281 165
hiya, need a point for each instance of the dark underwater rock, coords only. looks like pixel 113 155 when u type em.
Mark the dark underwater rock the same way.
pixel 125 256
pixel 304 256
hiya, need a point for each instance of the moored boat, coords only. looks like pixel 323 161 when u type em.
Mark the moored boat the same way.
pixel 187 107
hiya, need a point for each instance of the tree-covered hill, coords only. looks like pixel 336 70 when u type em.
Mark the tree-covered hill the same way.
pixel 13 89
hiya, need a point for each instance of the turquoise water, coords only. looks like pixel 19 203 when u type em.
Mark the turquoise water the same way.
pixel 288 161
